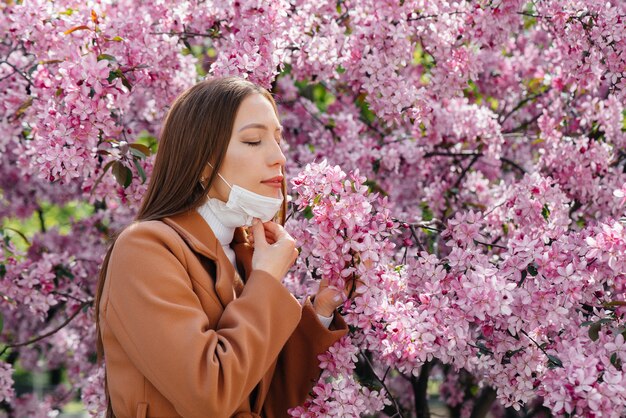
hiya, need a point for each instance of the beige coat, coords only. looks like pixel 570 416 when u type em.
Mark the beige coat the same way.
pixel 184 337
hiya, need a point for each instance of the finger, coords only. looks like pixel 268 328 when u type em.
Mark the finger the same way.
pixel 258 232
pixel 323 283
pixel 360 288
pixel 278 231
pixel 269 233
pixel 354 287
pixel 368 263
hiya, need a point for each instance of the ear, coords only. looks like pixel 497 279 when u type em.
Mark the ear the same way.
pixel 206 172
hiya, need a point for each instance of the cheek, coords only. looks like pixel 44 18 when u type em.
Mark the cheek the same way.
pixel 242 165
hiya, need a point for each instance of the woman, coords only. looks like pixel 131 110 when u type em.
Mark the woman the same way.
pixel 192 317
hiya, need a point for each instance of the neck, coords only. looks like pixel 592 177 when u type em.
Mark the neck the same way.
pixel 223 233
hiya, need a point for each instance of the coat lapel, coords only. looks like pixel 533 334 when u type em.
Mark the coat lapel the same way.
pixel 200 237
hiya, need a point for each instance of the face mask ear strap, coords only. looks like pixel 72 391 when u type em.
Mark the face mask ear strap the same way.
pixel 211 165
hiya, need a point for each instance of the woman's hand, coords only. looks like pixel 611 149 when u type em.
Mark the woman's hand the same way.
pixel 330 298
pixel 274 249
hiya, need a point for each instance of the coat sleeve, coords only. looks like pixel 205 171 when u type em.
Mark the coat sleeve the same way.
pixel 297 369
pixel 203 369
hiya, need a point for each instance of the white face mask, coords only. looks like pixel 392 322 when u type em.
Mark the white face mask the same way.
pixel 244 205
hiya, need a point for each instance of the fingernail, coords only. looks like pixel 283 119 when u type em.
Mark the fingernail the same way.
pixel 337 298
pixel 361 290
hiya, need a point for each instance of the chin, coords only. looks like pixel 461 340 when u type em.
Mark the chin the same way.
pixel 268 191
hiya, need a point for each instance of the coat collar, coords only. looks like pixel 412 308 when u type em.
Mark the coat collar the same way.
pixel 200 237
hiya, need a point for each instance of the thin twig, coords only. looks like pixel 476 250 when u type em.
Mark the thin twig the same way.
pixel 415 238
pixel 17 70
pixel 382 383
pixel 465 170
pixel 47 334
pixel 489 245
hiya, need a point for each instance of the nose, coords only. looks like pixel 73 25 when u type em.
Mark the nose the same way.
pixel 276 155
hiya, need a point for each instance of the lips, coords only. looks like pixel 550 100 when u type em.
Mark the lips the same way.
pixel 277 179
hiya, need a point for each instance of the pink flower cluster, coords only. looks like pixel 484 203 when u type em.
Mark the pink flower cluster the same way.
pixel 337 394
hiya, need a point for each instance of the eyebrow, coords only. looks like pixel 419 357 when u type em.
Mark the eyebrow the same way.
pixel 259 126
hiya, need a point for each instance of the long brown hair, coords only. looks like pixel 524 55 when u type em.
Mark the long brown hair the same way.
pixel 196 131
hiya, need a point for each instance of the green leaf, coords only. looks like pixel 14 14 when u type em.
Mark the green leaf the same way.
pixel 119 74
pixel 3 271
pixel 145 138
pixel 186 43
pixel 545 212
pixel 366 114
pixel 1 322
pixel 106 57
pixel 61 271
pixel 126 83
pixel 554 361
pixel 137 153
pixel 27 103
pixel 114 74
pixel 307 212
pixel 616 361
pixel 615 303
pixel 122 174
pixel 594 330
pixel 427 214
pixel 532 270
pixel 376 165
pixel 139 168
pixel 143 150
pixel 521 282
pixel 483 348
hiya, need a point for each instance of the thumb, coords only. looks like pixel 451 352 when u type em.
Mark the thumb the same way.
pixel 258 232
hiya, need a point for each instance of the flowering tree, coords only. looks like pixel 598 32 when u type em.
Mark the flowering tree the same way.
pixel 464 160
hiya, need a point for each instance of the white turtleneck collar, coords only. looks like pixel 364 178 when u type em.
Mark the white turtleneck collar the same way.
pixel 223 233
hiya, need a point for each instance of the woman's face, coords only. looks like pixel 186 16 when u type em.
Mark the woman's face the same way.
pixel 253 155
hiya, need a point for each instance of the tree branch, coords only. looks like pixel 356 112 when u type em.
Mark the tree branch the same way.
pixel 420 385
pixel 47 334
